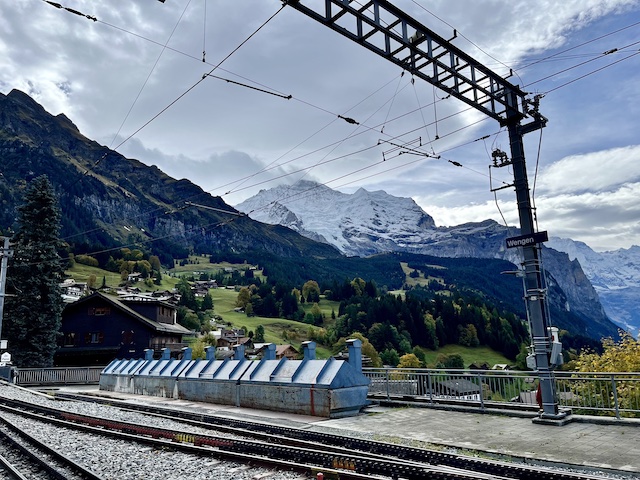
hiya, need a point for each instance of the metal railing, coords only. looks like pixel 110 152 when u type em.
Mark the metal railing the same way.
pixel 611 394
pixel 58 376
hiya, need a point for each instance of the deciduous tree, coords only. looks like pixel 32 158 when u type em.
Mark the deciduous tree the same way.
pixel 409 360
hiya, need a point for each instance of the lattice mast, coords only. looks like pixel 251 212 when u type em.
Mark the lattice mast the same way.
pixel 394 35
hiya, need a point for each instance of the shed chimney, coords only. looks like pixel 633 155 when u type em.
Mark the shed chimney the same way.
pixel 269 352
pixel 354 347
pixel 210 353
pixel 309 350
pixel 238 352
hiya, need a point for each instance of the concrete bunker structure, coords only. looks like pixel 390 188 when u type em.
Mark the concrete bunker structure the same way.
pixel 326 388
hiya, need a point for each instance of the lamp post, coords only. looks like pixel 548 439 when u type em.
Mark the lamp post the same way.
pixel 5 253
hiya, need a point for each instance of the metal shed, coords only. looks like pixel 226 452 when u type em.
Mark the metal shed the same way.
pixel 327 388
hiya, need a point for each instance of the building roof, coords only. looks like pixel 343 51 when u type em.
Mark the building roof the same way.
pixel 281 349
pixel 157 326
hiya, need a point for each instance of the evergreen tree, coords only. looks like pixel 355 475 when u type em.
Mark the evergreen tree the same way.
pixel 207 302
pixel 259 335
pixel 33 314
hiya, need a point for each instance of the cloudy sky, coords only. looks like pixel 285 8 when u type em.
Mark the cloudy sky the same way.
pixel 133 80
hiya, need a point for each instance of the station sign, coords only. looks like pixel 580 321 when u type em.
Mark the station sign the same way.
pixel 527 240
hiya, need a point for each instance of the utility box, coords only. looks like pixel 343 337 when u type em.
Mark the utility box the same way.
pixel 555 357
pixel 5 359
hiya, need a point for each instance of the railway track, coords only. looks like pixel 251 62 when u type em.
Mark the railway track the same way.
pixel 274 455
pixel 23 457
pixel 302 450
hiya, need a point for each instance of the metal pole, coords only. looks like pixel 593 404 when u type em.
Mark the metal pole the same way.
pixel 615 395
pixel 534 293
pixel 5 253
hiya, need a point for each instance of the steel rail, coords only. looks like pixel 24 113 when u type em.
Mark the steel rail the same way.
pixel 36 446
pixel 10 468
pixel 376 448
pixel 307 460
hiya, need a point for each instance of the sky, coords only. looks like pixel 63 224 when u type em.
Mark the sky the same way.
pixel 134 80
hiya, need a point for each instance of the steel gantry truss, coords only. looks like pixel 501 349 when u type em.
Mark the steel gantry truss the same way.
pixel 389 32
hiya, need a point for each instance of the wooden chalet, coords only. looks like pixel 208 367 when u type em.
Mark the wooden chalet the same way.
pixel 288 351
pixel 100 328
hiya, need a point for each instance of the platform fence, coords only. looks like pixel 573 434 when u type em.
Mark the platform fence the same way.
pixel 58 376
pixel 612 394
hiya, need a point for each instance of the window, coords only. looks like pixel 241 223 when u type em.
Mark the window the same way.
pixel 127 337
pixel 69 339
pixel 94 338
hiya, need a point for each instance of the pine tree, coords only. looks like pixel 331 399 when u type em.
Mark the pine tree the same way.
pixel 33 314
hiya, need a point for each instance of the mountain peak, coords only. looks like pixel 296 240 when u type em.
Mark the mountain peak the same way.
pixel 358 224
pixel 21 97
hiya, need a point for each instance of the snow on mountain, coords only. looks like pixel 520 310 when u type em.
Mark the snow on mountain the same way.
pixel 615 275
pixel 365 223
pixel 361 224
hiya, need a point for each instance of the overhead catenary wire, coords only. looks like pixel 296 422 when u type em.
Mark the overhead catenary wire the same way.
pixel 274 163
pixel 392 100
pixel 591 73
pixel 278 165
pixel 204 33
pixel 511 69
pixel 346 118
pixel 449 134
pixel 420 109
pixel 587 42
pixel 182 95
pixel 599 57
pixel 535 180
pixel 155 64
pixel 558 87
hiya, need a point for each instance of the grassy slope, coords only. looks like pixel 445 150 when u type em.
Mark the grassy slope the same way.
pixel 470 355
pixel 296 332
pixel 224 302
pixel 81 273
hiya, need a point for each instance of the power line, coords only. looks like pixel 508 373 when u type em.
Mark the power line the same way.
pixel 591 73
pixel 229 55
pixel 599 57
pixel 465 127
pixel 164 47
pixel 535 62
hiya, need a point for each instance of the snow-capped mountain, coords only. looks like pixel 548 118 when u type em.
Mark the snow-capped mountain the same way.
pixel 365 223
pixel 360 224
pixel 615 275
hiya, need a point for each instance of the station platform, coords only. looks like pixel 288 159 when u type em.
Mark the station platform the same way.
pixel 591 444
